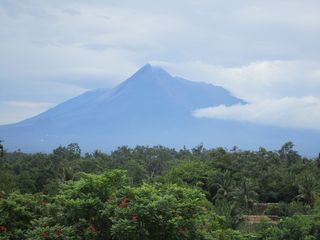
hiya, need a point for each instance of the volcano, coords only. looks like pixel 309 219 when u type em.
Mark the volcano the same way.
pixel 152 107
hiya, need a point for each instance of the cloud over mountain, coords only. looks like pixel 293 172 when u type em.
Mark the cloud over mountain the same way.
pixel 284 112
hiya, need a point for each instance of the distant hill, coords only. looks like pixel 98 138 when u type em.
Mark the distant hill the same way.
pixel 151 107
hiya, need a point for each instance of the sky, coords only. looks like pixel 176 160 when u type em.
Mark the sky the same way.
pixel 265 52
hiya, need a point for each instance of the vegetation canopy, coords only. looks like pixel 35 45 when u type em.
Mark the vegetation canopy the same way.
pixel 159 193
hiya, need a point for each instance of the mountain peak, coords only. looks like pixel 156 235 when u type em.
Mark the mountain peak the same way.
pixel 149 71
pixel 146 67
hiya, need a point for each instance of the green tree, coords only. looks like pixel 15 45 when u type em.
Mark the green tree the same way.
pixel 222 186
pixel 246 194
pixel 162 212
pixel 1 149
pixel 308 189
pixel 17 211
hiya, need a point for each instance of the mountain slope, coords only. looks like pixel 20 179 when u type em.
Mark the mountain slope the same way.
pixel 151 107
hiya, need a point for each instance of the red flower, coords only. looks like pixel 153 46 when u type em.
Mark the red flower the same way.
pixel 58 231
pixel 180 229
pixel 91 228
pixel 122 204
pixel 44 234
pixel 125 199
pixel 134 217
pixel 3 229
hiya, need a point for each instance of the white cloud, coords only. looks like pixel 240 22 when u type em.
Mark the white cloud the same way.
pixel 30 105
pixel 280 93
pixel 16 107
pixel 271 79
pixel 257 80
pixel 285 112
pixel 14 111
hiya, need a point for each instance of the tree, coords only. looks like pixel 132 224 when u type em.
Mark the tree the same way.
pixel 246 194
pixel 287 153
pixel 99 207
pixel 192 173
pixel 308 189
pixel 221 186
pixel 80 205
pixel 17 211
pixel 1 149
pixel 164 211
pixel 318 161
pixel 72 151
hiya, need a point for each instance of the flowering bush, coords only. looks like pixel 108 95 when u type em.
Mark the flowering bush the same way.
pixel 161 212
pixel 99 207
pixel 16 214
pixel 41 231
pixel 79 205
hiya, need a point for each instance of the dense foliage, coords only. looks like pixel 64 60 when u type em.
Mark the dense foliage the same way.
pixel 159 193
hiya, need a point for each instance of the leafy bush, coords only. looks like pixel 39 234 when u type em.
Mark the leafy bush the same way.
pixel 287 209
pixel 161 212
pixel 17 212
pixel 104 207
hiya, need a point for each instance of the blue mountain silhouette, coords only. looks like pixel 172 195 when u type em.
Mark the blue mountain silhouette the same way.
pixel 151 108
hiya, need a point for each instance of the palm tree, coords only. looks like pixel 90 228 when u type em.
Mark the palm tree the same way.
pixel 230 210
pixel 246 194
pixel 223 185
pixel 308 189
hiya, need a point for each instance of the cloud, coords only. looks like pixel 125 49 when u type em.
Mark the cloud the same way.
pixel 32 105
pixel 235 44
pixel 285 112
pixel 14 111
pixel 280 93
pixel 23 99
pixel 257 80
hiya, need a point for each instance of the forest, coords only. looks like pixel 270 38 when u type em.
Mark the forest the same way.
pixel 160 193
